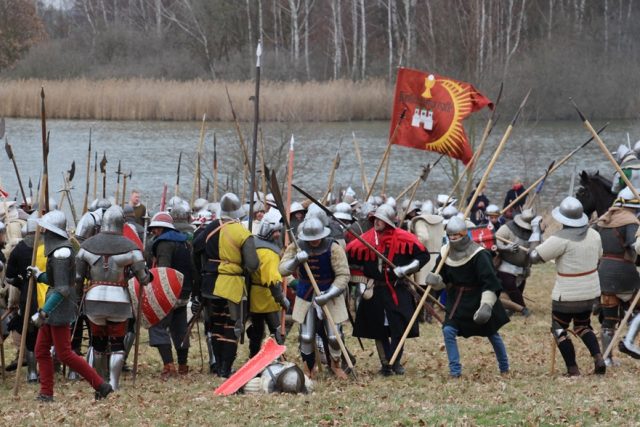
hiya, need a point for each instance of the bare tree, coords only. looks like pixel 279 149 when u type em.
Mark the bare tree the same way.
pixel 294 7
pixel 363 39
pixel 336 13
pixel 354 39
pixel 250 32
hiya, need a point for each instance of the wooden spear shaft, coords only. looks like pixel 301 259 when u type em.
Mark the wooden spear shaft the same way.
pixel 85 203
pixel 196 175
pixel 363 176
pixel 467 210
pixel 287 209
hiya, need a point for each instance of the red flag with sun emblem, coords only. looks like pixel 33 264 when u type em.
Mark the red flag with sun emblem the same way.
pixel 428 111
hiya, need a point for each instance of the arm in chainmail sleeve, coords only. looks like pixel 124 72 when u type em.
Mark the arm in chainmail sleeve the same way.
pixel 630 236
pixel 340 267
pixel 164 253
pixel 289 254
pixel 250 260
pixel 551 248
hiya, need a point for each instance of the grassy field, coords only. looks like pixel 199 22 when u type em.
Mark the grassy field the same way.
pixel 147 99
pixel 529 395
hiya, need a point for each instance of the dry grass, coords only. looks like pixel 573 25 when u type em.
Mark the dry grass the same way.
pixel 143 99
pixel 425 396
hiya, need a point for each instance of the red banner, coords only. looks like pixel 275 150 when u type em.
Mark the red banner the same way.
pixel 433 108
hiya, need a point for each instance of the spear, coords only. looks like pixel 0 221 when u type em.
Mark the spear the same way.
pixel 196 175
pixel 609 156
pixel 118 173
pixel 163 198
pixel 30 190
pixel 67 184
pixel 256 122
pixel 559 163
pixel 95 176
pixel 540 185
pixel 445 252
pixel 177 189
pixel 206 191
pixel 363 176
pixel 283 329
pixel 9 150
pixel 124 186
pixel 45 151
pixel 265 172
pixel 215 169
pixel 332 174
pixel 103 171
pixel 85 204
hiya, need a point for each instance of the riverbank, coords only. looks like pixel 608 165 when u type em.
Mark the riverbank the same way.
pixel 145 99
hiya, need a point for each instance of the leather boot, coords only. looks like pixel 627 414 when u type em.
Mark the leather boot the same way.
pixel 573 371
pixel 103 391
pixel 600 368
pixel 32 368
pixel 116 363
pixel 336 368
pixel 168 371
pixel 312 373
pixel 398 369
pixel 183 369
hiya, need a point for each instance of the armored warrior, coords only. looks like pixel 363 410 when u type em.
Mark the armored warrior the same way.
pixel 514 265
pixel 59 310
pixel 181 214
pixel 225 254
pixel 630 165
pixel 385 310
pixel 297 213
pixel 619 278
pixel 576 249
pixel 89 224
pixel 328 263
pixel 266 297
pixel 170 248
pixel 429 229
pixel 105 262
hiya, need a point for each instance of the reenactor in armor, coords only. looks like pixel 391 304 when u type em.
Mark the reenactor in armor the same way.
pixel 104 265
pixel 473 307
pixel 514 267
pixel 328 263
pixel 266 298
pixel 429 229
pixel 181 214
pixel 494 218
pixel 225 255
pixel 59 310
pixel 576 249
pixel 388 304
pixel 296 215
pixel 619 278
pixel 630 165
pixel 89 224
pixel 171 248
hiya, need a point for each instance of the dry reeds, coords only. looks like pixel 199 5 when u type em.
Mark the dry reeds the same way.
pixel 144 99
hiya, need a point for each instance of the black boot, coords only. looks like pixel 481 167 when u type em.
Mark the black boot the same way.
pixel 398 369
pixel 103 391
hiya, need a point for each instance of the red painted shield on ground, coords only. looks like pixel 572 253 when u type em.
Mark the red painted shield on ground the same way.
pixel 484 237
pixel 160 295
pixel 130 233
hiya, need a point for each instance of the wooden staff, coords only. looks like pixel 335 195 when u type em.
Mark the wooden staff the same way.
pixel 124 186
pixel 363 176
pixel 118 173
pixel 386 172
pixel 45 151
pixel 95 176
pixel 445 253
pixel 263 175
pixel 177 187
pixel 332 174
pixel 283 329
pixel 103 171
pixel 254 147
pixel 215 169
pixel 196 175
pixel 559 163
pixel 85 203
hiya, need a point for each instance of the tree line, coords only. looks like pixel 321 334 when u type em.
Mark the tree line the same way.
pixel 560 48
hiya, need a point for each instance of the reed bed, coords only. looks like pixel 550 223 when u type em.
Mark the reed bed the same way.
pixel 145 99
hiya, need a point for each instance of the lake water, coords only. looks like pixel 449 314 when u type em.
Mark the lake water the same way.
pixel 150 151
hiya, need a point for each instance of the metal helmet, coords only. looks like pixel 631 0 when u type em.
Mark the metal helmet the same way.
pixel 56 222
pixel 312 229
pixel 365 209
pixel 258 206
pixel 375 201
pixel 636 148
pixel 343 211
pixel 622 152
pixel 102 204
pixel 315 211
pixel 391 201
pixel 181 211
pixel 269 375
pixel 173 202
pixel 254 386
pixel 202 217
pixel 296 207
pixel 32 224
pixel 524 218
pixel 386 214
pixel 570 213
pixel 492 210
pixel 290 380
pixel 449 212
pixel 271 201
pixel 199 204
pixel 230 206
pixel 627 199
pixel 267 228
pixel 444 200
pixel 214 208
pixel 162 220
pixel 456 226
pixel 112 220
pixel 427 208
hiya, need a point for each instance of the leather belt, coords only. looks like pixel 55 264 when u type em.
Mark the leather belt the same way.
pixel 586 273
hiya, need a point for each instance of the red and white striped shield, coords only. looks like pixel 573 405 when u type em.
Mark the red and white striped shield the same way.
pixel 130 233
pixel 160 295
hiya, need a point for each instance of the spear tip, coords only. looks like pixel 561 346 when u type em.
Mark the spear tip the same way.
pixel 522 104
pixel 582 117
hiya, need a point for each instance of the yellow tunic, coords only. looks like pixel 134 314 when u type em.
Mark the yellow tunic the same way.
pixel 261 300
pixel 230 281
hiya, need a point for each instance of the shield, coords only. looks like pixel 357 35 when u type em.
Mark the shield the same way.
pixel 160 295
pixel 130 233
pixel 484 237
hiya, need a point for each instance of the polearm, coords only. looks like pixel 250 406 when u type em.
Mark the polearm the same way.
pixel 177 188
pixel 532 199
pixel 363 176
pixel 559 163
pixel 287 208
pixel 423 177
pixel 196 174
pixel 163 198
pixel 243 146
pixel 136 351
pixel 256 122
pixel 45 151
pixel 103 171
pixel 215 168
pixel 118 173
pixel 30 190
pixel 445 252
pixel 385 154
pixel 95 175
pixel 206 190
pixel 124 186
pixel 275 190
pixel 265 172
pixel 85 204
pixel 347 227
pixel 332 174
pixel 609 156
pixel 67 183
pixel 9 150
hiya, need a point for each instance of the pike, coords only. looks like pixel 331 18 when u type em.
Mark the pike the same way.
pixel 384 259
pixel 256 123
pixel 9 151
pixel 206 190
pixel 66 191
pixel 103 171
pixel 559 163
pixel 467 210
pixel 609 156
pixel 265 170
pixel 124 186
pixel 332 174
pixel 275 190
pixel 177 189
pixel 118 173
pixel 215 169
pixel 196 174
pixel 363 176
pixel 95 175
pixel 136 350
pixel 283 329
pixel 85 204
pixel 243 146
pixel 30 189
pixel 45 151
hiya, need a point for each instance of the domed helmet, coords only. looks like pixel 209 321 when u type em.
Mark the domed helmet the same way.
pixel 296 207
pixel 290 380
pixel 627 199
pixel 267 228
pixel 343 211
pixel 56 222
pixel 492 210
pixel 181 211
pixel 444 200
pixel 315 211
pixel 456 228
pixel 162 220
pixel 103 204
pixel 271 201
pixel 391 201
pixel 31 225
pixel 230 206
pixel 386 214
pixel 173 202
pixel 112 220
pixel 449 212
pixel 214 208
pixel 313 229
pixel 427 208
pixel 636 148
pixel 622 152
pixel 524 218
pixel 258 206
pixel 199 204
pixel 570 213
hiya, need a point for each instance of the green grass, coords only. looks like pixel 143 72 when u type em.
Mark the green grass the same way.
pixel 529 395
